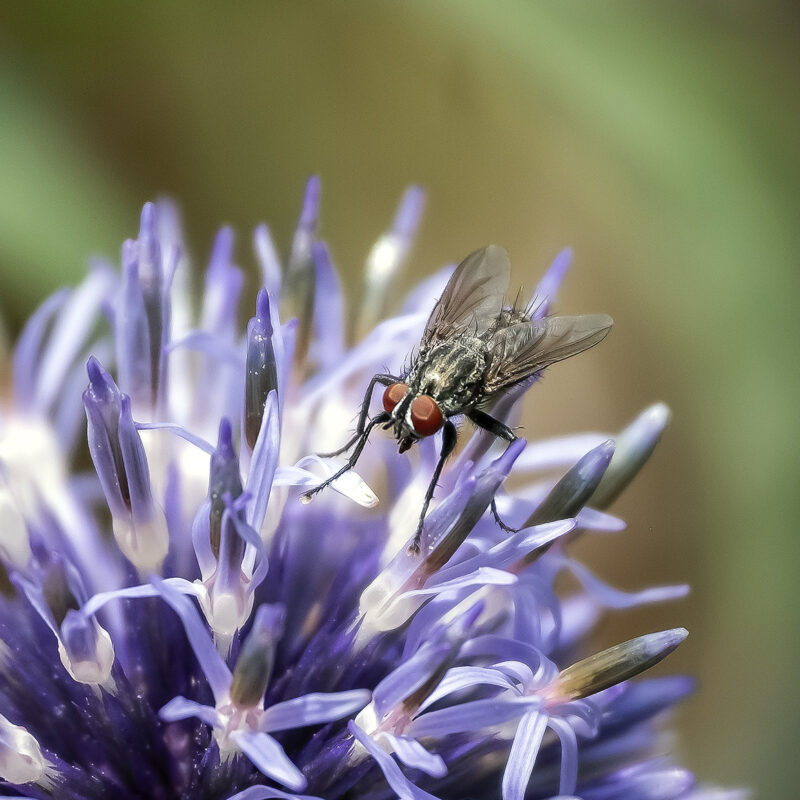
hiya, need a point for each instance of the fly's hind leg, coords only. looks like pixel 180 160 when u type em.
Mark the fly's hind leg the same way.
pixel 384 380
pixel 449 439
pixel 501 431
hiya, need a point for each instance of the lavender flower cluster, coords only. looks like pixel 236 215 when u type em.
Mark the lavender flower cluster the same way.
pixel 175 624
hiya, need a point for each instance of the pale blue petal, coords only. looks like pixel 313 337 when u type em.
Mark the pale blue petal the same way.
pixel 414 755
pixel 402 786
pixel 269 757
pixel 314 708
pixel 409 676
pixel 181 708
pixel 522 756
pixel 610 597
pixel 266 792
pixel 569 754
pixel 96 602
pixel 217 673
pixel 471 716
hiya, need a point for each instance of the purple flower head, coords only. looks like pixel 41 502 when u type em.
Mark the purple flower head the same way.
pixel 178 624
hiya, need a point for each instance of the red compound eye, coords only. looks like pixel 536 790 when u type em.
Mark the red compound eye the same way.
pixel 426 416
pixel 394 393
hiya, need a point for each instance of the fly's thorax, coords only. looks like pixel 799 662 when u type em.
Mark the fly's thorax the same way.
pixel 451 373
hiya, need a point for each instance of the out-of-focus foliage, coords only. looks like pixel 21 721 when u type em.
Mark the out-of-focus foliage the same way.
pixel 658 139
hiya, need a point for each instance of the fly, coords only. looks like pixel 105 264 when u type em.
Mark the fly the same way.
pixel 473 349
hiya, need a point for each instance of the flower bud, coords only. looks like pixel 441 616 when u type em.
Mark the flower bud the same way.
pixel 261 375
pixel 635 445
pixel 121 464
pixel 614 665
pixel 299 284
pixel 572 492
pixel 256 659
pixel 21 759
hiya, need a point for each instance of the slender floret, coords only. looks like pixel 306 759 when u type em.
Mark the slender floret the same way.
pixel 178 624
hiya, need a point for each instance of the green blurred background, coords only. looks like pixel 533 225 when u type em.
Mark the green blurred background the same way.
pixel 658 139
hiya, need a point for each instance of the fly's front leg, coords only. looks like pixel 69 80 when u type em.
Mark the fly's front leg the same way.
pixel 502 431
pixel 351 462
pixel 363 414
pixel 449 439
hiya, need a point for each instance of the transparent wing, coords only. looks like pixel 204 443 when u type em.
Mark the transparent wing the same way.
pixel 520 350
pixel 473 297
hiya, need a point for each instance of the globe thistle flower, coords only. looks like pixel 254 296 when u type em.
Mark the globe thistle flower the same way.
pixel 176 624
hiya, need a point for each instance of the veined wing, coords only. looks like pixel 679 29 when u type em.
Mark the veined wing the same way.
pixel 473 297
pixel 525 348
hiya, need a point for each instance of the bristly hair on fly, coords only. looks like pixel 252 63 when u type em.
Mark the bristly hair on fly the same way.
pixel 473 350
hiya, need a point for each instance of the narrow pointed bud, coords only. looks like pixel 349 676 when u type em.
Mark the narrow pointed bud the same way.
pixel 573 491
pixel 21 759
pixel 84 646
pixel 384 605
pixel 547 290
pixel 142 314
pixel 261 375
pixel 223 286
pixel 230 599
pixel 224 480
pixel 614 665
pixel 116 448
pixel 442 545
pixel 299 284
pixel 257 657
pixel 387 257
pixel 635 445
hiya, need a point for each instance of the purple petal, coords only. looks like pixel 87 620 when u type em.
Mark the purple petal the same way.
pixel 261 792
pixel 483 576
pixel 313 708
pixel 458 678
pixel 522 756
pixel 409 676
pixel 264 462
pixel 414 755
pixel 268 260
pixel 70 332
pixel 137 472
pixel 178 430
pixel 547 290
pixel 609 597
pixel 223 287
pixel 217 673
pixel 29 346
pixel 97 601
pixel 403 788
pixel 269 757
pixel 329 324
pixel 472 716
pixel 180 708
pixel 569 755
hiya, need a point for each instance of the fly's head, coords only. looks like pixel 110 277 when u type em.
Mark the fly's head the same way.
pixel 412 416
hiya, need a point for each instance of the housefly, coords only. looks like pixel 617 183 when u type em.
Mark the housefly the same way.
pixel 473 349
